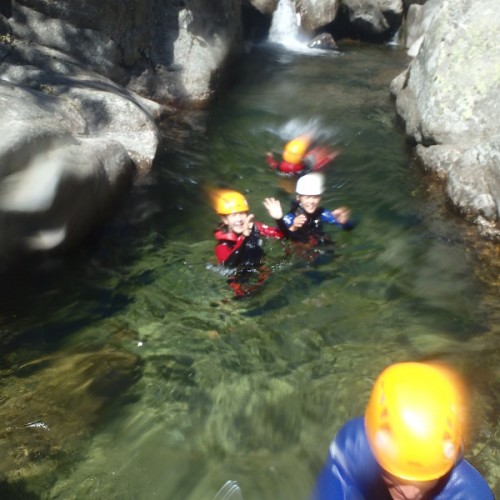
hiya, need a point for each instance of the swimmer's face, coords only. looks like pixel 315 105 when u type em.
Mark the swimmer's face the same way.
pixel 235 222
pixel 309 202
pixel 407 490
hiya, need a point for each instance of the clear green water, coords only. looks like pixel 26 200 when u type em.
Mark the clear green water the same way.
pixel 253 391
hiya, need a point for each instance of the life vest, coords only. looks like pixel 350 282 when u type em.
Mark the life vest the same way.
pixel 312 230
pixel 234 250
pixel 292 168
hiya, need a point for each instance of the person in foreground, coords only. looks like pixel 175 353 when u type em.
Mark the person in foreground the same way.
pixel 304 222
pixel 408 445
pixel 239 240
pixel 301 156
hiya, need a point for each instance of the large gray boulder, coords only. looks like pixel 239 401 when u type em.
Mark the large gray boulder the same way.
pixel 104 107
pixel 56 180
pixel 82 87
pixel 166 51
pixel 418 20
pixel 70 143
pixel 264 6
pixel 374 18
pixel 315 14
pixel 449 98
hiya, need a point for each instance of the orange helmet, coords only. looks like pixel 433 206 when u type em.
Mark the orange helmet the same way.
pixel 415 420
pixel 227 202
pixel 295 150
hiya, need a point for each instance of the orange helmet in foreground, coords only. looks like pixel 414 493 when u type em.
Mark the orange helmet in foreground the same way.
pixel 415 420
pixel 227 202
pixel 295 150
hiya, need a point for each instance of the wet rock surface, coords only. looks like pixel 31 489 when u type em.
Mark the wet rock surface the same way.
pixel 98 75
pixel 449 100
pixel 323 41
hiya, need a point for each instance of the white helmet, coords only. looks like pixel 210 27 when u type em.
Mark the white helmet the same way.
pixel 310 184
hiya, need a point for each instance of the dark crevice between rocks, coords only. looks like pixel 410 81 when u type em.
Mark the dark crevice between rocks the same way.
pixel 342 28
pixel 256 25
pixel 6 8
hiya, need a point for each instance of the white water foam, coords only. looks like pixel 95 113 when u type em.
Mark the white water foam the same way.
pixel 285 28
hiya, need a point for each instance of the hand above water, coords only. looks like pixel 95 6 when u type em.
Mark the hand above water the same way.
pixel 298 222
pixel 248 225
pixel 273 207
pixel 342 214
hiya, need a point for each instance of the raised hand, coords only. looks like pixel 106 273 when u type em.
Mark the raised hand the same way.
pixel 248 225
pixel 273 207
pixel 342 214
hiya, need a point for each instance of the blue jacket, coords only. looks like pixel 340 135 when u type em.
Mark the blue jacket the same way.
pixel 352 473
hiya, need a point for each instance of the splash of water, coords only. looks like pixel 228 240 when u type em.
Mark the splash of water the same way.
pixel 285 30
pixel 295 126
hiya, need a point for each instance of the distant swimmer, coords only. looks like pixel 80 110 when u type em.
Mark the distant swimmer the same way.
pixel 239 238
pixel 301 156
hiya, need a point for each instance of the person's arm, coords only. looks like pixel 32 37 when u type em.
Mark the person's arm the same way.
pixel 271 161
pixel 465 482
pixel 350 471
pixel 340 217
pixel 273 207
pixel 269 231
pixel 290 223
pixel 282 226
pixel 322 157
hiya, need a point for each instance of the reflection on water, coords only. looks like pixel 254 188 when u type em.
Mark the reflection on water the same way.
pixel 252 391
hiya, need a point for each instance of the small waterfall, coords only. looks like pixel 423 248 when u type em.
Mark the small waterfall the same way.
pixel 285 27
pixel 395 39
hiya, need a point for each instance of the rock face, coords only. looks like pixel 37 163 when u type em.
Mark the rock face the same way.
pixel 374 18
pixel 449 99
pixel 166 51
pixel 367 19
pixel 206 35
pixel 317 13
pixel 264 6
pixel 323 41
pixel 56 180
pixel 82 86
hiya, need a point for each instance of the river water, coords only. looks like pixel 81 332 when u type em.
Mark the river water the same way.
pixel 252 391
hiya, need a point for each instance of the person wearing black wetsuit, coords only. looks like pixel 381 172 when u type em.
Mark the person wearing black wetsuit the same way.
pixel 239 239
pixel 304 222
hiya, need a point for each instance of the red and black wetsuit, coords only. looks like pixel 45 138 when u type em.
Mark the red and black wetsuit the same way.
pixel 316 159
pixel 287 168
pixel 244 254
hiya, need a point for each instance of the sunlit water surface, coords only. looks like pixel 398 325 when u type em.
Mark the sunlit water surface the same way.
pixel 253 390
